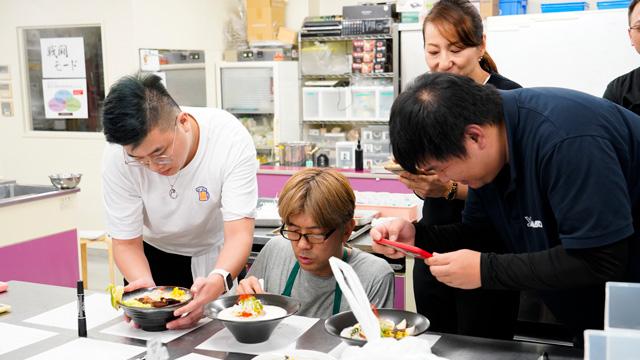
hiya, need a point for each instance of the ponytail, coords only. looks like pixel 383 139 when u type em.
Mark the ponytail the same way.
pixel 487 64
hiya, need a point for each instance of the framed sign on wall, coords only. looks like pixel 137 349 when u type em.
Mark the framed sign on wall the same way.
pixel 65 77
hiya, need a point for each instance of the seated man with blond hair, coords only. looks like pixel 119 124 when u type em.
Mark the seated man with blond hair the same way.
pixel 316 207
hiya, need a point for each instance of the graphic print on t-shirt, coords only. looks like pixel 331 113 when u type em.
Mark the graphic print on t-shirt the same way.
pixel 203 193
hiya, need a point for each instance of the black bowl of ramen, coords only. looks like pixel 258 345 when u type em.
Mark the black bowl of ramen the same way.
pixel 254 329
pixel 158 308
pixel 339 322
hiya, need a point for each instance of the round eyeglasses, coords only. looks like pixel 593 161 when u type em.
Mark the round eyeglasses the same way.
pixel 312 238
pixel 156 160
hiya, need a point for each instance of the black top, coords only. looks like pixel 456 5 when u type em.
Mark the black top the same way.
pixel 563 216
pixel 439 211
pixel 625 91
pixel 567 206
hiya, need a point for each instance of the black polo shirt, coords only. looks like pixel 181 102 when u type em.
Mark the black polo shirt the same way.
pixel 573 175
pixel 625 91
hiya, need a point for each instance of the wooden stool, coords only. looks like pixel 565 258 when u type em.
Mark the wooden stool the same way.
pixel 93 237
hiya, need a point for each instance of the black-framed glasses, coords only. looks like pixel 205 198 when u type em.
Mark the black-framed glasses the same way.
pixel 157 160
pixel 312 238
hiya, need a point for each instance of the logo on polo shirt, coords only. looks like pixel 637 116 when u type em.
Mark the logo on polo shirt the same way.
pixel 535 224
pixel 203 193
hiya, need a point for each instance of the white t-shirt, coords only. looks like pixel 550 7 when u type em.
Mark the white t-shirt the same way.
pixel 219 184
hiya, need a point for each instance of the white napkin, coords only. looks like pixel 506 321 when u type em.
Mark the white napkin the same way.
pixel 356 297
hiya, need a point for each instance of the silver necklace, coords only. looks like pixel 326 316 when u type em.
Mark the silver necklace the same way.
pixel 172 190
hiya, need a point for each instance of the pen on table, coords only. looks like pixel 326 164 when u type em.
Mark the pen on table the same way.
pixel 82 320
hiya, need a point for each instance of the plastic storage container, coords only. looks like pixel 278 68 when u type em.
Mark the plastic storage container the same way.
pixel 385 100
pixel 516 7
pixel 334 103
pixel 345 154
pixel 611 344
pixel 621 306
pixel 363 103
pixel 375 132
pixel 604 5
pixel 568 6
pixel 311 103
pixel 389 204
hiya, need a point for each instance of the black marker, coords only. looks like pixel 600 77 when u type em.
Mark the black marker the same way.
pixel 82 320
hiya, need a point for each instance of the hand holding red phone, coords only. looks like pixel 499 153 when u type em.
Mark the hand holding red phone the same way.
pixel 399 230
pixel 408 250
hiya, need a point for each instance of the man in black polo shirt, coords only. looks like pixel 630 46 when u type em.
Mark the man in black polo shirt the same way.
pixel 554 200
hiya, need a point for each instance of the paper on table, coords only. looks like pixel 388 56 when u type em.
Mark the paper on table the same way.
pixel 283 338
pixel 97 308
pixel 83 348
pixel 337 351
pixel 15 336
pixel 126 330
pixel 194 356
pixel 431 338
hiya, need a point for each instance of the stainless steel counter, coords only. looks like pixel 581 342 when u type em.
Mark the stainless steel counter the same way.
pixel 29 299
pixel 12 193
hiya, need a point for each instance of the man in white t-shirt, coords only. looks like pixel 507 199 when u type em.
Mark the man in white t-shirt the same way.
pixel 180 192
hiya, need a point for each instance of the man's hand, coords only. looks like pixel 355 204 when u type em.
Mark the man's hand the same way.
pixel 135 285
pixel 397 230
pixel 250 285
pixel 204 291
pixel 139 284
pixel 460 269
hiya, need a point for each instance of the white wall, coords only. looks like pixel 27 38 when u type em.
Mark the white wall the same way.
pixel 127 25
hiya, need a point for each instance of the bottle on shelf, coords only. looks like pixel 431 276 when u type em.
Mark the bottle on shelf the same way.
pixel 359 162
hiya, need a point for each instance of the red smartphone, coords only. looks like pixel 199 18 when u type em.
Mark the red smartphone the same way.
pixel 406 249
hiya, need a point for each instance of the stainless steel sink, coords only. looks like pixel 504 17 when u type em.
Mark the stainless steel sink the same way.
pixel 10 190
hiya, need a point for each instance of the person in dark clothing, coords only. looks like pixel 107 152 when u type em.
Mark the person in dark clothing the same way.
pixel 553 176
pixel 454 42
pixel 625 90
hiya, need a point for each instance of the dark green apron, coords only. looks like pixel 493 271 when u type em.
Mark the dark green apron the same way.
pixel 337 298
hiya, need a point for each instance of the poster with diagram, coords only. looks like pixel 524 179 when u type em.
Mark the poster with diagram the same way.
pixel 65 98
pixel 63 57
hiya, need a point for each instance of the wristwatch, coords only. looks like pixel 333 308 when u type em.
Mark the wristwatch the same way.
pixel 226 277
pixel 452 191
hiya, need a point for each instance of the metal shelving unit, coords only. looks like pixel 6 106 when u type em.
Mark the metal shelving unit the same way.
pixel 331 107
pixel 346 37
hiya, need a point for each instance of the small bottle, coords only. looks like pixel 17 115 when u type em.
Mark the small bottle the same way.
pixel 322 160
pixel 359 163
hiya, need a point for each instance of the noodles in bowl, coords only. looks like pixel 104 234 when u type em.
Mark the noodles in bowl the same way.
pixel 252 319
pixel 151 308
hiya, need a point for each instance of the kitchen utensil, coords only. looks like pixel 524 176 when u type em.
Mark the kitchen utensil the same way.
pixel 65 181
pixel 295 153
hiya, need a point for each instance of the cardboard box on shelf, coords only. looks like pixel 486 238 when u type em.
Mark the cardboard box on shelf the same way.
pixel 489 8
pixel 230 55
pixel 264 18
pixel 287 36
